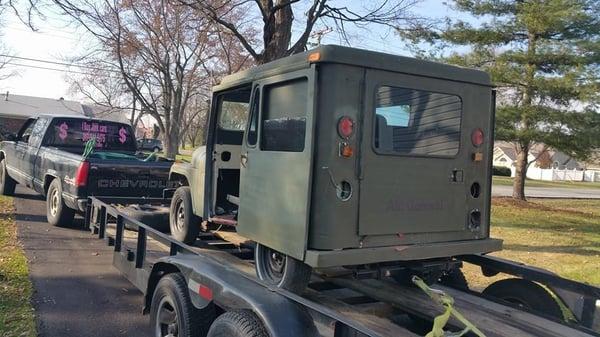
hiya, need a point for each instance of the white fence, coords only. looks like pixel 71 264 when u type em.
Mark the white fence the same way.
pixel 537 173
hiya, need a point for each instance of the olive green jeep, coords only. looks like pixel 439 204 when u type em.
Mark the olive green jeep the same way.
pixel 344 157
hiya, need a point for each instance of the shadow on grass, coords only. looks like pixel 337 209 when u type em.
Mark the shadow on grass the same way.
pixel 555 249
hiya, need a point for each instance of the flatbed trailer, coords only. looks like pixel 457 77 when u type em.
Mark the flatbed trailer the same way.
pixel 220 278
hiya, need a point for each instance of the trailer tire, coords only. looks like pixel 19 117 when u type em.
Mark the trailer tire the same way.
pixel 153 216
pixel 242 323
pixel 171 300
pixel 57 213
pixel 524 293
pixel 280 270
pixel 185 225
pixel 7 184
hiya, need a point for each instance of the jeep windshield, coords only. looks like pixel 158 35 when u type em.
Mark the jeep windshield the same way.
pixel 72 134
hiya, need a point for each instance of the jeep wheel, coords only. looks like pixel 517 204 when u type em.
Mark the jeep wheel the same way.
pixel 57 213
pixel 280 270
pixel 525 294
pixel 184 224
pixel 7 184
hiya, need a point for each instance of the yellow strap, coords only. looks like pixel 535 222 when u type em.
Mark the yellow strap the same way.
pixel 440 321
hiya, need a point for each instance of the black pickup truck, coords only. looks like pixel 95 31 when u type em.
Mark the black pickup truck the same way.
pixel 49 155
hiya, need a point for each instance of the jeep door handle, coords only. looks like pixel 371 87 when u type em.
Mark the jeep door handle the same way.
pixel 244 159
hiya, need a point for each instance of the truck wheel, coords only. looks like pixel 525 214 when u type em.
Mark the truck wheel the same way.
pixel 525 294
pixel 153 216
pixel 172 312
pixel 241 323
pixel 281 270
pixel 7 184
pixel 57 213
pixel 185 225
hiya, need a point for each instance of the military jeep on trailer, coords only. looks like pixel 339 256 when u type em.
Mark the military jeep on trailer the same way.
pixel 344 157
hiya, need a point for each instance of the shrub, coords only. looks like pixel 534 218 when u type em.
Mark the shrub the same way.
pixel 501 171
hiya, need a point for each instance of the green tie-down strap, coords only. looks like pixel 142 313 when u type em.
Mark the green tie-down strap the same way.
pixel 89 147
pixel 440 321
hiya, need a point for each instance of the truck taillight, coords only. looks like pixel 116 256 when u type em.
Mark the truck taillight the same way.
pixel 345 127
pixel 82 174
pixel 477 137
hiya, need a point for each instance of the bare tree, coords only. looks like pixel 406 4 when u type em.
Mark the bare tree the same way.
pixel 276 17
pixel 165 54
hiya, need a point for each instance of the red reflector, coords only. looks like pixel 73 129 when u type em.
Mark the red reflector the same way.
pixel 477 137
pixel 82 174
pixel 205 292
pixel 345 127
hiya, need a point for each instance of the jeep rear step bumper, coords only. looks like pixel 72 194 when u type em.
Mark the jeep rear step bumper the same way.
pixel 355 256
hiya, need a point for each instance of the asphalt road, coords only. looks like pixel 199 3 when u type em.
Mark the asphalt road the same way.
pixel 77 291
pixel 549 192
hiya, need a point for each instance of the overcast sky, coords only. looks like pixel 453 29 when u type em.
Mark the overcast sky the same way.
pixel 55 40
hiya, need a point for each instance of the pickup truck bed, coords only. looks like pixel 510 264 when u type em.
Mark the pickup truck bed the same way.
pixel 336 303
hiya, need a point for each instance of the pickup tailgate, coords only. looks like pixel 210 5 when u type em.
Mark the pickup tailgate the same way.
pixel 130 179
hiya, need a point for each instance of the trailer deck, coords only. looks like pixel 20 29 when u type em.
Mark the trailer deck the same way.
pixel 338 303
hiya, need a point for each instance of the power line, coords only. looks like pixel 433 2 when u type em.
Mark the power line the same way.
pixel 57 63
pixel 53 69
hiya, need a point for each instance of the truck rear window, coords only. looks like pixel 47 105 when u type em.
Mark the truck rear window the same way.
pixel 74 133
pixel 416 122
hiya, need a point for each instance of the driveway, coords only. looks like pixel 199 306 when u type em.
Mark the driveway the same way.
pixel 77 291
pixel 549 192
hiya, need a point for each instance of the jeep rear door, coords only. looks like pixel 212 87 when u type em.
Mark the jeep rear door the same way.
pixel 416 154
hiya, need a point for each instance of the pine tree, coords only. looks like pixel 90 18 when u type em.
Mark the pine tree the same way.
pixel 544 56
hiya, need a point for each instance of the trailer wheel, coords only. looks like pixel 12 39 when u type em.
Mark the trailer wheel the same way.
pixel 241 323
pixel 525 294
pixel 7 184
pixel 281 270
pixel 172 313
pixel 57 213
pixel 185 225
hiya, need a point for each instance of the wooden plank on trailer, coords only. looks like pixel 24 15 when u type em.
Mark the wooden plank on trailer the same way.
pixel 495 320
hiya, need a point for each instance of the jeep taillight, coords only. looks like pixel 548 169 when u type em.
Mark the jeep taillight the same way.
pixel 345 127
pixel 477 137
pixel 81 175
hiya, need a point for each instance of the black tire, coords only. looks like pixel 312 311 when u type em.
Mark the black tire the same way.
pixel 526 294
pixel 153 216
pixel 7 184
pixel 172 308
pixel 184 224
pixel 57 213
pixel 280 270
pixel 242 323
pixel 156 149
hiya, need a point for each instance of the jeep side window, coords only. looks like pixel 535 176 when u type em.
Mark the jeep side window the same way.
pixel 254 110
pixel 233 110
pixel 416 122
pixel 284 116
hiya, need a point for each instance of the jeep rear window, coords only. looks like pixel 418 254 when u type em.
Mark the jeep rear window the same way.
pixel 74 133
pixel 416 122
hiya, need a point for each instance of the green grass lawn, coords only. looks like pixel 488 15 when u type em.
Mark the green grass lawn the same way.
pixel 508 181
pixel 16 313
pixel 561 235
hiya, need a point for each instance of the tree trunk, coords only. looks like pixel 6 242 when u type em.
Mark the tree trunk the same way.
pixel 172 140
pixel 520 173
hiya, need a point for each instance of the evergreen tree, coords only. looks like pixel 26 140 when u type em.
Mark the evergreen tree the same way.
pixel 544 56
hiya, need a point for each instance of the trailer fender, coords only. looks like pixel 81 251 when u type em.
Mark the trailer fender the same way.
pixel 229 289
